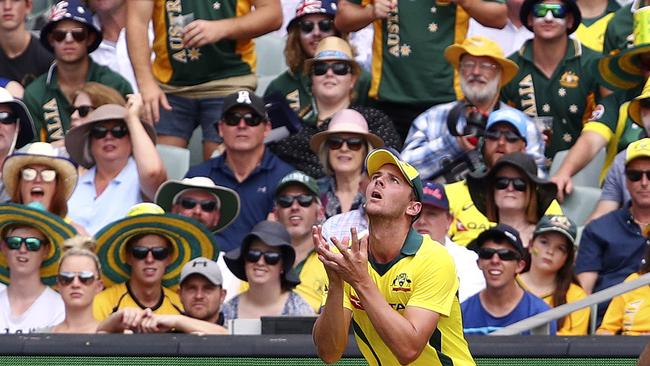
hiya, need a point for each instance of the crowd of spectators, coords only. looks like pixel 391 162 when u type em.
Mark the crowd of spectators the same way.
pixel 477 95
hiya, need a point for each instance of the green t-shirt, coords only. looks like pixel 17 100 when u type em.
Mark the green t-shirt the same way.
pixel 407 62
pixel 49 107
pixel 180 66
pixel 568 95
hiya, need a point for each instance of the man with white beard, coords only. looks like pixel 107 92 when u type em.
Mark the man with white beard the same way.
pixel 483 70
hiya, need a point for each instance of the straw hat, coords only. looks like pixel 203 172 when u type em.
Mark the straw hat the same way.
pixel 333 49
pixel 77 139
pixel 39 153
pixel 481 46
pixel 228 199
pixel 189 239
pixel 345 121
pixel 53 227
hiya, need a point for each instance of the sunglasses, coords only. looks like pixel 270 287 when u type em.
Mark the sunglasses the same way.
pixel 32 244
pixel 66 278
pixel 338 68
pixel 636 175
pixel 8 118
pixel 158 253
pixel 78 34
pixel 304 200
pixel 558 10
pixel 503 182
pixel 325 26
pixel 190 203
pixel 271 258
pixel 233 118
pixel 504 254
pixel 510 136
pixel 83 110
pixel 47 175
pixel 354 143
pixel 99 132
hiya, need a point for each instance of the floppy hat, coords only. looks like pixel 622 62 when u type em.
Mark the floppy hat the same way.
pixel 622 70
pixel 53 227
pixel 527 7
pixel 188 237
pixel 510 116
pixel 434 195
pixel 634 107
pixel 308 7
pixel 26 130
pixel 70 10
pixel 345 121
pixel 77 139
pixel 272 234
pixel 478 182
pixel 204 267
pixel 379 157
pixel 481 46
pixel 39 153
pixel 333 49
pixel 299 178
pixel 228 199
pixel 557 223
pixel 245 98
pixel 637 149
pixel 499 233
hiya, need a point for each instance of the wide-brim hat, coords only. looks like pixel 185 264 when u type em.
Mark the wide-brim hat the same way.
pixel 345 121
pixel 26 130
pixel 272 234
pixel 39 153
pixel 478 182
pixel 229 204
pixel 53 227
pixel 77 140
pixel 527 7
pixel 481 46
pixel 333 49
pixel 70 10
pixel 634 107
pixel 190 239
pixel 623 69
pixel 309 7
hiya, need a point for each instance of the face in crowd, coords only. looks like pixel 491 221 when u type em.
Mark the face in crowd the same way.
pixel 500 263
pixel 501 139
pixel 201 298
pixel 243 130
pixel 297 209
pixel 78 281
pixel 200 205
pixel 25 249
pixel 148 255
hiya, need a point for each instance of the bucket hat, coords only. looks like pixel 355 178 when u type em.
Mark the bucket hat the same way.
pixel 309 7
pixel 70 10
pixel 481 46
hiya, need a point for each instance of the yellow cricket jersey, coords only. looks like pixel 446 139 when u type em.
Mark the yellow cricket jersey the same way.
pixel 468 220
pixel 593 36
pixel 119 297
pixel 628 313
pixel 424 276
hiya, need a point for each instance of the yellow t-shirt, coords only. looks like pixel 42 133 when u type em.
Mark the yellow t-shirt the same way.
pixel 313 281
pixel 119 297
pixel 468 220
pixel 593 36
pixel 424 276
pixel 628 313
pixel 578 322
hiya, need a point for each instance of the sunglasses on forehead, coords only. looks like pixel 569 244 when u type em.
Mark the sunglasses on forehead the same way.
pixel 78 34
pixel 338 68
pixel 158 253
pixel 32 244
pixel 271 258
pixel 504 254
pixel 557 10
pixel 503 182
pixel 99 132
pixel 66 278
pixel 325 26
pixel 8 118
pixel 233 118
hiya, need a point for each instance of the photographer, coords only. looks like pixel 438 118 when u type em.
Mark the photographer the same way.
pixel 483 71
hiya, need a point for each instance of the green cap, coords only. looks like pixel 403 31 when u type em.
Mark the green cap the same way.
pixel 557 223
pixel 300 178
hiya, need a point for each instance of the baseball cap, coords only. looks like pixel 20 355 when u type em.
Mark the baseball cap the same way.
pixel 557 223
pixel 244 98
pixel 434 195
pixel 299 178
pixel 499 233
pixel 204 267
pixel 510 116
pixel 381 156
pixel 637 149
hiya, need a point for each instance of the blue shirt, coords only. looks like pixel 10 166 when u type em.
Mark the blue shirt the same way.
pixel 256 193
pixel 613 246
pixel 476 320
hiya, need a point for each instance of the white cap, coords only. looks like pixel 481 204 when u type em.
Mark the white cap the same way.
pixel 205 267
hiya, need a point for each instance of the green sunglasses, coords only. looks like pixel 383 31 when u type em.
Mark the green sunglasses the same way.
pixel 32 244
